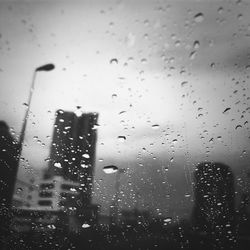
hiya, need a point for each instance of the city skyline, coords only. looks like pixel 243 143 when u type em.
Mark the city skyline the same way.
pixel 168 94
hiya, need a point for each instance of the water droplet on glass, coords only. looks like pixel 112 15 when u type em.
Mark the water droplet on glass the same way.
pixel 199 17
pixel 84 166
pixel 196 44
pixel 240 16
pixel 121 138
pixel 19 190
pixel 192 55
pixel 86 156
pixel 85 225
pixel 219 138
pixel 58 165
pixel 168 220
pixel 238 126
pixel 113 61
pixel 226 111
pixel 177 43
pixel 220 10
pixel 184 83
pixel 155 126
pixel 110 169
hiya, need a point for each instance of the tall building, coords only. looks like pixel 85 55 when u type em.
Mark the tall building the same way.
pixel 9 155
pixel 73 149
pixel 214 208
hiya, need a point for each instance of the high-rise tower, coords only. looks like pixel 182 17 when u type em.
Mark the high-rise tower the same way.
pixel 73 148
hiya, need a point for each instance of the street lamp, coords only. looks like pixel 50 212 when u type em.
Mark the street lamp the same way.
pixel 46 67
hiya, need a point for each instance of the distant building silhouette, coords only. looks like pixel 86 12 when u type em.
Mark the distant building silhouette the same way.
pixel 73 149
pixel 9 154
pixel 72 157
pixel 214 208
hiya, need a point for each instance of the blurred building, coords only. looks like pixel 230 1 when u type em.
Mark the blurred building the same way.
pixel 72 158
pixel 135 217
pixel 25 195
pixel 214 208
pixel 9 155
pixel 53 204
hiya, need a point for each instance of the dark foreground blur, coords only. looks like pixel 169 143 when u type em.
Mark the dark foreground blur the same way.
pixel 155 235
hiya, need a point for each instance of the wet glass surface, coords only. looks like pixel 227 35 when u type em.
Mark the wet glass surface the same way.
pixel 124 124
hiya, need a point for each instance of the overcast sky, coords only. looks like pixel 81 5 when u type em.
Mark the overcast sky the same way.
pixel 160 73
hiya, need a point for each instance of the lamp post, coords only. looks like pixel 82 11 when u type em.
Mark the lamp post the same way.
pixel 46 67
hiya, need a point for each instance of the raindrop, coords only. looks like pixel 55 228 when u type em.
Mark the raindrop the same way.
pixel 143 60
pixel 114 96
pixel 121 138
pixel 196 44
pixel 110 169
pixel 86 156
pixel 171 159
pixel 226 110
pixel 168 220
pixel 84 166
pixel 146 22
pixel 220 10
pixel 177 43
pixel 113 61
pixel 238 126
pixel 187 195
pixel 184 83
pixel 25 104
pixel 96 126
pixel 85 225
pixel 199 17
pixel 51 226
pixel 155 126
pixel 240 17
pixel 58 165
pixel 19 190
pixel 192 55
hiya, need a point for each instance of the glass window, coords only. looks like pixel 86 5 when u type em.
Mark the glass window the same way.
pixel 128 120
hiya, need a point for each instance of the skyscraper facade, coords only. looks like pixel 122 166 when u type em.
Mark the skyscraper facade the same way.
pixel 72 154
